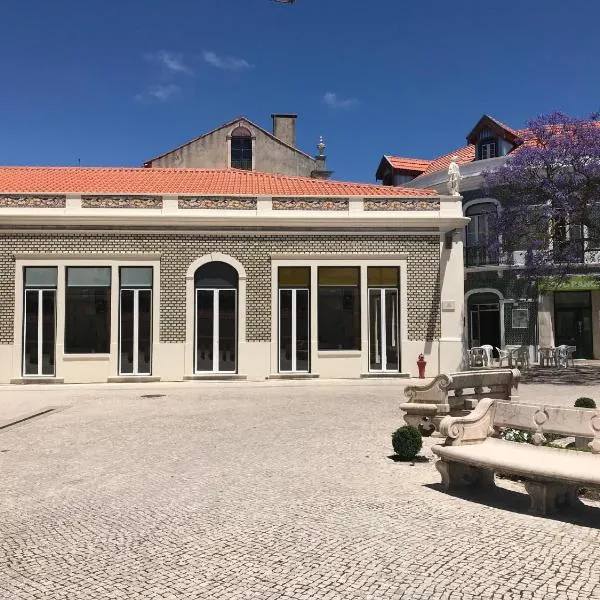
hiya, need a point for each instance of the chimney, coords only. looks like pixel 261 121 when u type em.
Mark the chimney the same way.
pixel 284 128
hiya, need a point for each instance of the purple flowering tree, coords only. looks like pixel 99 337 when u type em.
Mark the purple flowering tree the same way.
pixel 549 191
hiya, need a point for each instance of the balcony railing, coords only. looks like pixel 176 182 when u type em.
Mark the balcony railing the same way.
pixel 478 256
pixel 482 255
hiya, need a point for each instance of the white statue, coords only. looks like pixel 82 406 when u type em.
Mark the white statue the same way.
pixel 454 177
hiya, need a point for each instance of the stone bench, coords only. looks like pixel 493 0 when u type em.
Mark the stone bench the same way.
pixel 455 394
pixel 473 452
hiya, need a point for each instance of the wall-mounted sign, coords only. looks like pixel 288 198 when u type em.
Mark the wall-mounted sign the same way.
pixel 520 318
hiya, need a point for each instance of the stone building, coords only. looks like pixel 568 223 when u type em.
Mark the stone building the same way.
pixel 108 274
pixel 241 144
pixel 499 306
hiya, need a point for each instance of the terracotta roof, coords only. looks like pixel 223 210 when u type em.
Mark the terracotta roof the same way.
pixel 109 180
pixel 466 154
pixel 514 132
pixel 408 164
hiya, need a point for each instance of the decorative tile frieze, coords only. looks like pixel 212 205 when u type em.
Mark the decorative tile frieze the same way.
pixel 310 203
pixel 121 201
pixel 401 204
pixel 217 202
pixel 31 201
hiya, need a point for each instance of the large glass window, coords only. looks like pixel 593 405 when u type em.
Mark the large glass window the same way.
pixel 241 149
pixel 294 319
pixel 135 321
pixel 481 248
pixel 87 310
pixel 339 308
pixel 39 321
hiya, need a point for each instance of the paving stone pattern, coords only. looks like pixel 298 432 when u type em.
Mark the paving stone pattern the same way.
pixel 253 251
pixel 238 491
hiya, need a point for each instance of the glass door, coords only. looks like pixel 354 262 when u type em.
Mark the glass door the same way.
pixel 136 332
pixel 294 330
pixel 39 332
pixel 216 330
pixel 135 321
pixel 573 322
pixel 39 321
pixel 384 345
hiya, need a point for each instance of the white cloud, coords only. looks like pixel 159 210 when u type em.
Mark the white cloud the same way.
pixel 334 101
pixel 160 92
pixel 228 63
pixel 171 61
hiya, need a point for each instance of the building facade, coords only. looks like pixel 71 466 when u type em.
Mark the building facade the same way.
pixel 241 144
pixel 499 305
pixel 173 274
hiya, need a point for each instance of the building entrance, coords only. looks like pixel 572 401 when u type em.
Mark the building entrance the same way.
pixel 484 320
pixel 573 322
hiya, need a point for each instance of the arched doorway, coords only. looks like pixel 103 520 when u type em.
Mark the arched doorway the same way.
pixel 484 325
pixel 216 322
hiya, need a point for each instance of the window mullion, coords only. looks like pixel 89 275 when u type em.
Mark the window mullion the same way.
pixel 383 332
pixel 40 331
pixel 215 331
pixel 294 331
pixel 136 330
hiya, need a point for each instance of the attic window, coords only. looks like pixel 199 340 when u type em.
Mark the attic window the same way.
pixel 241 149
pixel 487 148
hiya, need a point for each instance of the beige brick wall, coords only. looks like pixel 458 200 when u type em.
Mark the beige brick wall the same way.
pixel 253 251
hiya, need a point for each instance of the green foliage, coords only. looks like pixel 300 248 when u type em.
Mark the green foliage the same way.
pixel 584 402
pixel 407 441
pixel 517 435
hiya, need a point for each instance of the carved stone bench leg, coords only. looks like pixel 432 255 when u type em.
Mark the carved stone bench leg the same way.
pixel 547 498
pixel 455 474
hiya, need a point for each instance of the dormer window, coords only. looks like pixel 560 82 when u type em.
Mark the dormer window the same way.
pixel 487 148
pixel 241 149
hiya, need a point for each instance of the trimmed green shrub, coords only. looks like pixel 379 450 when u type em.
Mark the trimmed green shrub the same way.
pixel 407 441
pixel 584 402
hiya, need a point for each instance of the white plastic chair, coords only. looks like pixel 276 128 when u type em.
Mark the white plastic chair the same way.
pixel 476 357
pixel 547 356
pixel 489 356
pixel 561 356
pixel 503 355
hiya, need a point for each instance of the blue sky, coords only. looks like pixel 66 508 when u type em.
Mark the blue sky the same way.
pixel 114 82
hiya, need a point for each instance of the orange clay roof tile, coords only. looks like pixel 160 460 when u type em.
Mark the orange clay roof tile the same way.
pixel 408 164
pixel 158 181
pixel 465 155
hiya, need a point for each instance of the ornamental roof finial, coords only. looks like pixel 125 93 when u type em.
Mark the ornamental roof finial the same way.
pixel 321 146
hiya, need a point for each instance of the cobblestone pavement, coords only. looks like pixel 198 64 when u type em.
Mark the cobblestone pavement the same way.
pixel 241 491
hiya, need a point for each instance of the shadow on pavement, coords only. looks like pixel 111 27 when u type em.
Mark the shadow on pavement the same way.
pixel 517 502
pixel 580 374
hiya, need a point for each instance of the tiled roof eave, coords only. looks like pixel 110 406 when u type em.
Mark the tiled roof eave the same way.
pixel 198 182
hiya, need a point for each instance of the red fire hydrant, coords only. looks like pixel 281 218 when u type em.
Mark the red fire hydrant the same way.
pixel 421 364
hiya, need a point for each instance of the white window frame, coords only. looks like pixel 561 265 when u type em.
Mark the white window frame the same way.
pixel 70 362
pixel 136 332
pixel 382 329
pixel 319 358
pixel 216 293
pixel 294 331
pixel 40 329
